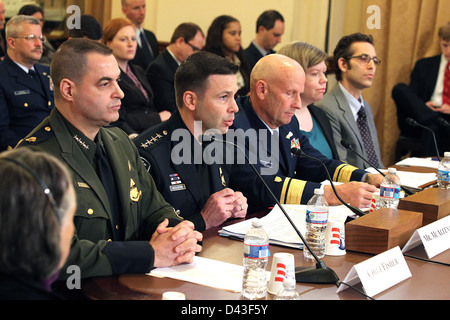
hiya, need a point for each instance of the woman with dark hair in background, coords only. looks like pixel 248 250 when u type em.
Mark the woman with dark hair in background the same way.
pixel 37 205
pixel 138 111
pixel 224 39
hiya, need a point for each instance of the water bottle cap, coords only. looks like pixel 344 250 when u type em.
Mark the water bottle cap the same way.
pixel 392 170
pixel 447 154
pixel 256 223
pixel 318 191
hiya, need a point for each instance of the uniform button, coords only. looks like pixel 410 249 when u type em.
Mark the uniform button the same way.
pixel 117 227
pixel 109 240
pixel 25 105
pixel 47 129
pixel 49 103
pixel 90 212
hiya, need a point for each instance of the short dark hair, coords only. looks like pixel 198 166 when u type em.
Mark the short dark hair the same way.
pixel 69 60
pixel 193 73
pixel 267 19
pixel 342 49
pixel 89 28
pixel 30 224
pixel 30 9
pixel 187 31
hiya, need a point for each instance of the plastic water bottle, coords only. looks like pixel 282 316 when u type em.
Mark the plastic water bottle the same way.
pixel 444 172
pixel 288 291
pixel 390 190
pixel 256 254
pixel 316 223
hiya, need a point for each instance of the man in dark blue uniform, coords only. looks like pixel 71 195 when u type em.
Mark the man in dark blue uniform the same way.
pixel 26 89
pixel 184 171
pixel 276 84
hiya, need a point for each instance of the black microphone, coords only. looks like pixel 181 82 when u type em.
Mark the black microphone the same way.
pixel 299 152
pixel 348 146
pixel 414 123
pixel 318 274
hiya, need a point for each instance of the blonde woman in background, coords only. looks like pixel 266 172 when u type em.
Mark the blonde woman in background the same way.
pixel 313 121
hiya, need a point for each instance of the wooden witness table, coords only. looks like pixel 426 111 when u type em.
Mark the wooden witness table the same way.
pixel 429 281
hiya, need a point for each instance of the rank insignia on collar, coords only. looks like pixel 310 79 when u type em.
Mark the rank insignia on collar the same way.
pixel 82 143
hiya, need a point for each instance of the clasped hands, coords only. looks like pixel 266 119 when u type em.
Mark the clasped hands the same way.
pixel 175 245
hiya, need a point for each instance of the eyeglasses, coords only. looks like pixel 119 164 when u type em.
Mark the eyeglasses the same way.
pixel 366 59
pixel 32 37
pixel 194 48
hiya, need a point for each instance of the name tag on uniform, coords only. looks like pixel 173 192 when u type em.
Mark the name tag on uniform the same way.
pixel 21 92
pixel 177 187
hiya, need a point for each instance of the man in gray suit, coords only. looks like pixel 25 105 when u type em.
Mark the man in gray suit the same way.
pixel 350 115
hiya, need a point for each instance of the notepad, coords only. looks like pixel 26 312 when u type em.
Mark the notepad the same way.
pixel 279 229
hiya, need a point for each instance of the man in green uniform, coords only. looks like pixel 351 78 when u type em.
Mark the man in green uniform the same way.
pixel 123 224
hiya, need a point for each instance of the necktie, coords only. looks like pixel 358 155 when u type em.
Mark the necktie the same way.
pixel 33 75
pixel 366 136
pixel 148 54
pixel 106 176
pixel 446 92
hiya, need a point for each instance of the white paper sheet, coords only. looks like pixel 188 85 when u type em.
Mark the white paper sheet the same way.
pixel 207 272
pixel 411 179
pixel 278 227
pixel 419 162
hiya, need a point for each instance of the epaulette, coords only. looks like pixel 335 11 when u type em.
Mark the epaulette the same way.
pixel 38 136
pixel 153 139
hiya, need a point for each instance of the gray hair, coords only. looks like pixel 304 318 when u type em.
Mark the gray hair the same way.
pixel 14 25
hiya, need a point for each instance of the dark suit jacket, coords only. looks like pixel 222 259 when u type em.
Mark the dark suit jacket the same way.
pixel 252 55
pixel 424 77
pixel 139 58
pixel 179 183
pixel 161 74
pixel 136 113
pixel 293 179
pixel 94 247
pixel 322 118
pixel 24 103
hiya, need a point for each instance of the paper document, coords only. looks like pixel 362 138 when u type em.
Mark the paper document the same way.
pixel 207 272
pixel 419 162
pixel 278 227
pixel 411 179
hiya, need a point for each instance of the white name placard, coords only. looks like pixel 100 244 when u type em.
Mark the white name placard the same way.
pixel 435 237
pixel 379 272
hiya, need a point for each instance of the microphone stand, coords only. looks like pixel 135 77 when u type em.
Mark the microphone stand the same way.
pixel 348 146
pixel 414 123
pixel 320 274
pixel 300 153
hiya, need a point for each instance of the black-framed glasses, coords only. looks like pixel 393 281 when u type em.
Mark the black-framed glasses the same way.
pixel 365 58
pixel 32 37
pixel 194 48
